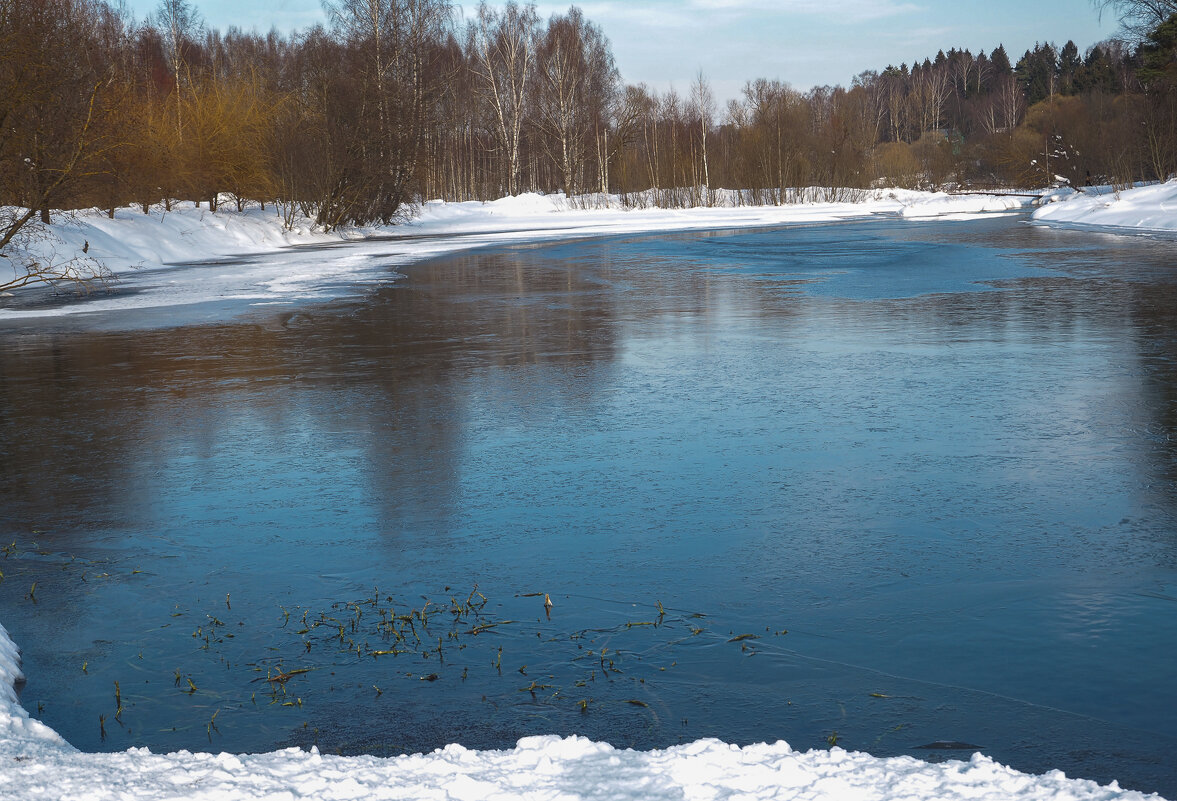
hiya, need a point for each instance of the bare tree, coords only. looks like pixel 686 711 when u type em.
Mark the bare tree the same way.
pixel 893 91
pixel 28 257
pixel 1011 103
pixel 1139 16
pixel 390 44
pixel 703 109
pixel 179 26
pixel 963 69
pixel 775 121
pixel 51 75
pixel 936 86
pixel 502 54
pixel 1003 109
pixel 576 80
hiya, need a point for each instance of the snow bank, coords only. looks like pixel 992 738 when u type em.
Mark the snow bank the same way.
pixel 132 239
pixel 35 763
pixel 964 207
pixel 163 237
pixel 137 250
pixel 606 213
pixel 19 734
pixel 1145 208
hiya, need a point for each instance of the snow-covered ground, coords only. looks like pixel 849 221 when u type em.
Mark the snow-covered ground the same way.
pixel 35 763
pixel 1144 208
pixel 245 256
pixel 964 207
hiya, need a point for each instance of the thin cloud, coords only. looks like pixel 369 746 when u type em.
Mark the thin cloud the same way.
pixel 848 11
pixel 703 13
pixel 608 14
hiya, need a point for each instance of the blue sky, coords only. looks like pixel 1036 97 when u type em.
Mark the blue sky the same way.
pixel 803 42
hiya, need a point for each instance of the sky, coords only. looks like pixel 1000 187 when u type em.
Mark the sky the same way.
pixel 805 43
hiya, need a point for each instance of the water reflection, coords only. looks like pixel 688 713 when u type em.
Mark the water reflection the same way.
pixel 939 455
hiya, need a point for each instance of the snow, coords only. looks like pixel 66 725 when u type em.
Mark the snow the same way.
pixel 965 207
pixel 1140 209
pixel 36 763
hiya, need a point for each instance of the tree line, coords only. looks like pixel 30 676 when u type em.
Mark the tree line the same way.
pixel 395 101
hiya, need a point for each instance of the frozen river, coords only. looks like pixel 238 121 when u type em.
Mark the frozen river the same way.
pixel 885 483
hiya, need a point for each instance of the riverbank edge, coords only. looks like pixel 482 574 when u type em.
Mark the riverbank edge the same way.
pixel 94 247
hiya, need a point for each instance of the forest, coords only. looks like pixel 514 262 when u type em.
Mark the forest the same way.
pixel 397 101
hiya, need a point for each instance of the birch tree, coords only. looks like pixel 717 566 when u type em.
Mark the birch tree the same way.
pixel 703 108
pixel 502 48
pixel 576 79
pixel 179 25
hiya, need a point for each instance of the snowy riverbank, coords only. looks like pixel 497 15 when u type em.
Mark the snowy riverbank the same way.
pixel 35 763
pixel 246 256
pixel 1142 209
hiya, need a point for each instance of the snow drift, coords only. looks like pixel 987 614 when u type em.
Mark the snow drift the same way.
pixel 1141 209
pixel 961 207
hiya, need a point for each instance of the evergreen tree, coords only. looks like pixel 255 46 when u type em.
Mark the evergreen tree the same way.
pixel 1069 64
pixel 1098 73
pixel 1158 57
pixel 1037 72
pixel 1000 60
